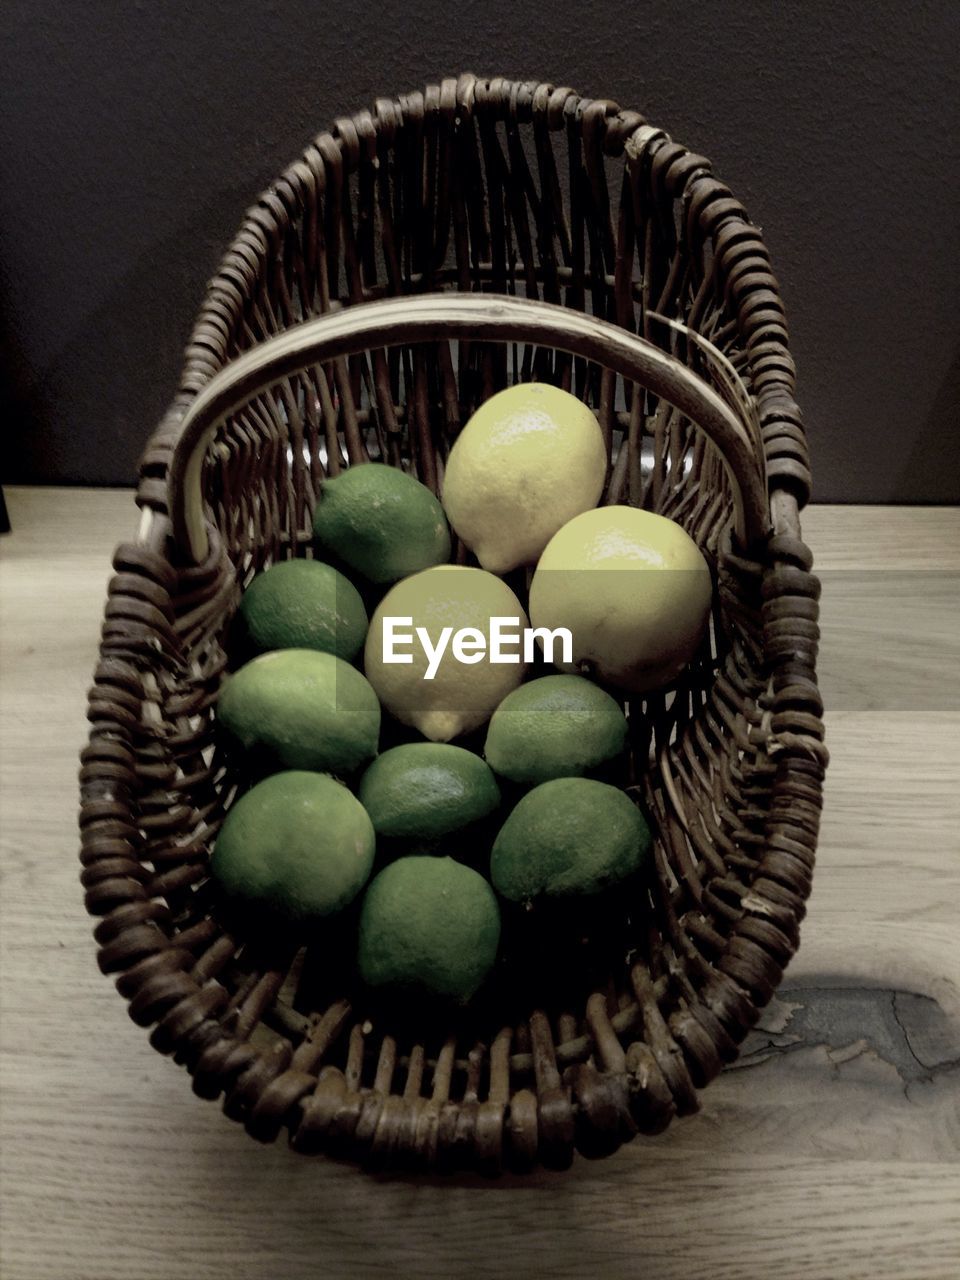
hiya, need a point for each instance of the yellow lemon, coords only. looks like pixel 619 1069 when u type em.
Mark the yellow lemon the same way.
pixel 529 459
pixel 444 648
pixel 633 590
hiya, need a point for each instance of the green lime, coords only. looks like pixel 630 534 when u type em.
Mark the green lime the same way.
pixel 554 727
pixel 298 844
pixel 381 522
pixel 568 837
pixel 429 925
pixel 302 710
pixel 303 604
pixel 423 790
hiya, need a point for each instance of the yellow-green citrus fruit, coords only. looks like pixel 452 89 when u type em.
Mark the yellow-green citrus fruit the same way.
pixel 303 604
pixel 554 727
pixel 302 710
pixel 381 522
pixel 459 696
pixel 423 790
pixel 566 838
pixel 632 588
pixel 429 926
pixel 298 844
pixel 529 459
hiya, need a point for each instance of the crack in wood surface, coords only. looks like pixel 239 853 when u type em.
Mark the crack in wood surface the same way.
pixel 848 1022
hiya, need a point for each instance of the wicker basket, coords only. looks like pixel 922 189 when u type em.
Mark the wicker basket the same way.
pixel 410 263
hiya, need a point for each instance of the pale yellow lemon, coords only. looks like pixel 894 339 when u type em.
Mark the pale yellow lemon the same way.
pixel 632 588
pixel 444 696
pixel 529 459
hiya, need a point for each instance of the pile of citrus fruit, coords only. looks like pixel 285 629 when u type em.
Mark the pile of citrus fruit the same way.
pixel 372 657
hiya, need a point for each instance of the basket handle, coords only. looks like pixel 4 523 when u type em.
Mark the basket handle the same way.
pixel 438 316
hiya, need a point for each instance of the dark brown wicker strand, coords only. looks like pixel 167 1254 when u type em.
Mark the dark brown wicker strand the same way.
pixel 474 186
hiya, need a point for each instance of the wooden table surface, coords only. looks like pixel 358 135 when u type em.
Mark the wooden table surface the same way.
pixel 831 1150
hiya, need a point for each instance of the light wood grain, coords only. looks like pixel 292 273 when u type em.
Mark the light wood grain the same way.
pixel 831 1150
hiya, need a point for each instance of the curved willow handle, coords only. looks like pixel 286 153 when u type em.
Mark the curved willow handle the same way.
pixel 440 316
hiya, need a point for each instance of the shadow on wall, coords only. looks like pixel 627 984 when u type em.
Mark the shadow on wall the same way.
pixel 935 452
pixel 141 360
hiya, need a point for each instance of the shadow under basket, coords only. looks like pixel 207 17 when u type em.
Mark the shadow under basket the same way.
pixel 412 262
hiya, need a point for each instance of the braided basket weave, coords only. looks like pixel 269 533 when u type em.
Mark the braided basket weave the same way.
pixel 530 233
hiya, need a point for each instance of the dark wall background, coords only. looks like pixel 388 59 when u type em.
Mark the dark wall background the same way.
pixel 134 134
